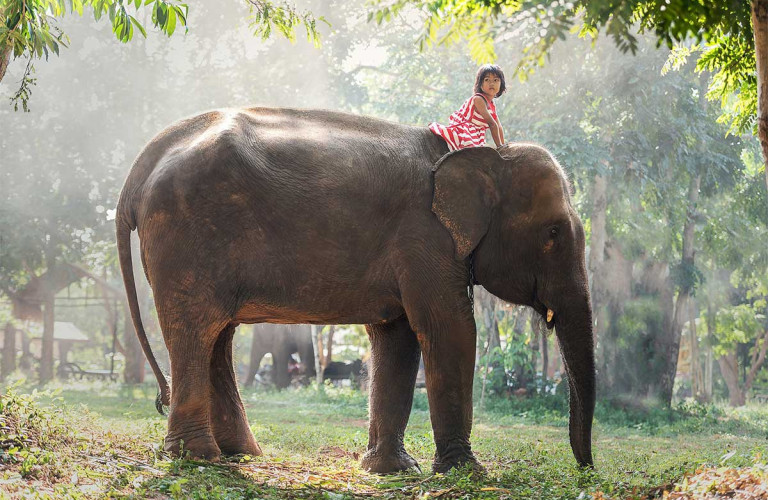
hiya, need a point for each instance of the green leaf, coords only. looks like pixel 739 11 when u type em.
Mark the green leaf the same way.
pixel 182 10
pixel 171 25
pixel 138 26
pixel 161 14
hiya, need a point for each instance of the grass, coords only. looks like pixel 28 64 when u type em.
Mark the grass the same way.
pixel 104 440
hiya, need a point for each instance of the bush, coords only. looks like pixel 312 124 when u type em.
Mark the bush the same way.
pixel 31 435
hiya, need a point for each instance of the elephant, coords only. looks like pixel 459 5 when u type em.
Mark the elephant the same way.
pixel 289 216
pixel 281 341
pixel 339 370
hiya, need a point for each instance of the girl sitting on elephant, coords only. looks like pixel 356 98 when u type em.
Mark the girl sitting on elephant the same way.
pixel 466 127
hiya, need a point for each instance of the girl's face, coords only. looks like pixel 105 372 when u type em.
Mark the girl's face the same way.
pixel 491 84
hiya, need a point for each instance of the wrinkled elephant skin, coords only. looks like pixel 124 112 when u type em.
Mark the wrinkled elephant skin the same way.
pixel 300 216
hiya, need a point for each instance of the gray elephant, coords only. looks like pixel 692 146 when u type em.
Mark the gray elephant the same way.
pixel 305 216
pixel 281 341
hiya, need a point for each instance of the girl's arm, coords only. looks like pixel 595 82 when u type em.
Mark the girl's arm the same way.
pixel 496 131
pixel 501 132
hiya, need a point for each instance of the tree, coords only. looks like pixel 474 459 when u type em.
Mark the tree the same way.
pixel 29 28
pixel 735 38
pixel 734 256
pixel 741 340
pixel 58 182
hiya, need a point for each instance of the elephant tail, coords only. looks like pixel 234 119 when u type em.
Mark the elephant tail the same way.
pixel 124 230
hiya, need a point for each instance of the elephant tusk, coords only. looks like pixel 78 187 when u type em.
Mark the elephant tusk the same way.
pixel 550 315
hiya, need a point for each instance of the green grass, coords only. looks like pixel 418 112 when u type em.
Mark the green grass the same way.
pixel 95 440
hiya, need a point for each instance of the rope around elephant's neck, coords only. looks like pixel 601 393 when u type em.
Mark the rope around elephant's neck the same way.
pixel 472 282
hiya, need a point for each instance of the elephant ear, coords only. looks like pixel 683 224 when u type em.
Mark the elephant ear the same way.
pixel 465 194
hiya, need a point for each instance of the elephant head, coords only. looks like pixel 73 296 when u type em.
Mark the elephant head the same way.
pixel 509 212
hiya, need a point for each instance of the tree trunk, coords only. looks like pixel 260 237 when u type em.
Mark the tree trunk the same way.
pixel 9 351
pixel 697 377
pixel 760 29
pixel 133 372
pixel 597 249
pixel 729 367
pixel 672 350
pixel 708 375
pixel 329 349
pixel 134 356
pixel 709 367
pixel 487 305
pixel 597 234
pixel 25 363
pixel 756 361
pixel 49 315
pixel 317 341
pixel 64 347
pixel 597 273
pixel 5 60
pixel 615 283
pixel 46 354
pixel 522 373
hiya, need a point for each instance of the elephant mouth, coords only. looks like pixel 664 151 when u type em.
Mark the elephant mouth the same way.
pixel 547 314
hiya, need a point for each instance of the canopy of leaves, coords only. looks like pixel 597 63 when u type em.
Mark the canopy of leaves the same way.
pixel 721 30
pixel 29 28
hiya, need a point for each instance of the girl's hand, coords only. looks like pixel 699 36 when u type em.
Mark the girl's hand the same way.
pixel 496 132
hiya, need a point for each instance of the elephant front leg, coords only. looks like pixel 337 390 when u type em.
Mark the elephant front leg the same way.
pixel 392 370
pixel 228 420
pixel 448 347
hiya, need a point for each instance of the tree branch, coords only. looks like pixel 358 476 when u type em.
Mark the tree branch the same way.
pixel 757 363
pixel 5 60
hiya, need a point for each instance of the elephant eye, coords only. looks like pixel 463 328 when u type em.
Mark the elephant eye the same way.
pixel 553 231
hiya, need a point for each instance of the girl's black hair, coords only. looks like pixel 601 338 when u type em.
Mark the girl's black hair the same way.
pixel 483 71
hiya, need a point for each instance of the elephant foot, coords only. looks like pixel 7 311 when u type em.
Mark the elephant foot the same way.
pixel 456 456
pixel 441 466
pixel 380 462
pixel 244 444
pixel 203 448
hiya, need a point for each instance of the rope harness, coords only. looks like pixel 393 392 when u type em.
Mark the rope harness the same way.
pixel 472 282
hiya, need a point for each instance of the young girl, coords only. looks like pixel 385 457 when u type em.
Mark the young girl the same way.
pixel 466 127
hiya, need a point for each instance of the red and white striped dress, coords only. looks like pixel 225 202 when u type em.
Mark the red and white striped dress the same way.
pixel 466 127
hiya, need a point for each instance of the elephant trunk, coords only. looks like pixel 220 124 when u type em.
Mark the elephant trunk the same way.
pixel 574 334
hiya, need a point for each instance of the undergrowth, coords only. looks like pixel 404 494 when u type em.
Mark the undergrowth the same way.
pixel 31 436
pixel 105 440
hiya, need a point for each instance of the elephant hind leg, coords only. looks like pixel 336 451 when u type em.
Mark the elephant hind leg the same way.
pixel 227 414
pixel 189 429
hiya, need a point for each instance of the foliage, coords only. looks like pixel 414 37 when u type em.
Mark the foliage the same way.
pixel 30 435
pixel 739 324
pixel 512 365
pixel 608 114
pixel 30 28
pixel 266 15
pixel 312 444
pixel 723 30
